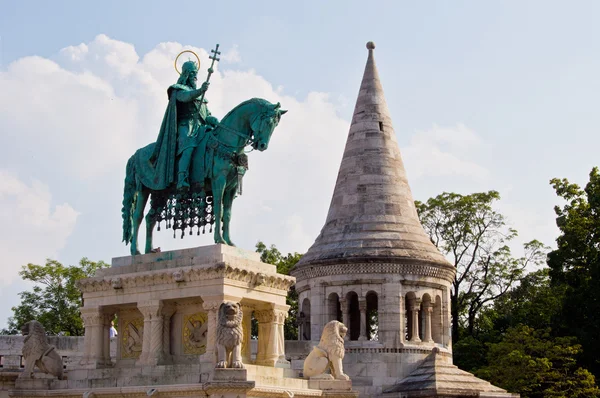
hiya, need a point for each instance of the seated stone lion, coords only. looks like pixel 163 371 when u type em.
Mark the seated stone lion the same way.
pixel 229 336
pixel 37 352
pixel 329 353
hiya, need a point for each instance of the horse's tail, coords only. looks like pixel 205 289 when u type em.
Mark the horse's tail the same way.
pixel 129 197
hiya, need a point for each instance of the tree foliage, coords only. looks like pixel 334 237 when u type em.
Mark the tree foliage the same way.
pixel 575 264
pixel 534 302
pixel 536 365
pixel 475 237
pixel 284 264
pixel 54 300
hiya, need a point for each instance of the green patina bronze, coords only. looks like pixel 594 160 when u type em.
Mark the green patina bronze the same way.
pixel 194 170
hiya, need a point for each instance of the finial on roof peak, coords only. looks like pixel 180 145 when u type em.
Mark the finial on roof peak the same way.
pixel 371 45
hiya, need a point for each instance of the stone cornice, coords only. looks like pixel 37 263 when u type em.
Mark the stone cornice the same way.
pixel 282 392
pixel 187 274
pixel 419 268
pixel 402 350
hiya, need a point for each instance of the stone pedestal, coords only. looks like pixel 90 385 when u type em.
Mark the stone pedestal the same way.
pixel 168 303
pixel 332 388
pixel 229 375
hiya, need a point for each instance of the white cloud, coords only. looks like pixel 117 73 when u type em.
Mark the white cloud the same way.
pixel 232 56
pixel 444 151
pixel 32 230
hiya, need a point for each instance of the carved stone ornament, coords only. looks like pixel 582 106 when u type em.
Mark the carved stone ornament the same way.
pixel 329 353
pixel 243 276
pixel 117 283
pixel 194 331
pixel 132 337
pixel 229 336
pixel 37 352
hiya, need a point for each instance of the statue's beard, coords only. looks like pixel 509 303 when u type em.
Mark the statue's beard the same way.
pixel 192 83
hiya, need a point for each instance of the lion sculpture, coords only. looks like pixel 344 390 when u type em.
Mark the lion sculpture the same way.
pixel 229 336
pixel 37 352
pixel 329 353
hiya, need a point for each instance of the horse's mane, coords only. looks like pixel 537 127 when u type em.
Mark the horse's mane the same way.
pixel 259 101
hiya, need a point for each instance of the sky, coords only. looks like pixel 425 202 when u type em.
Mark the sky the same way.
pixel 483 95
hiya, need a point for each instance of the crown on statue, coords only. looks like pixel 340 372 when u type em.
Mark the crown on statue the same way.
pixel 189 66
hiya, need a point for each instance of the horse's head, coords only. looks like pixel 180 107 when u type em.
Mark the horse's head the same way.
pixel 264 124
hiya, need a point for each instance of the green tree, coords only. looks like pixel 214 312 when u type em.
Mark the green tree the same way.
pixel 284 264
pixel 475 237
pixel 533 302
pixel 575 264
pixel 534 364
pixel 54 300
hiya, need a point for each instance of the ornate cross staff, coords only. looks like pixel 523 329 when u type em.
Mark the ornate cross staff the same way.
pixel 214 58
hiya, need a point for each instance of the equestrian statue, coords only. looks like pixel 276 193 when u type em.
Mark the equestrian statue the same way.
pixel 194 170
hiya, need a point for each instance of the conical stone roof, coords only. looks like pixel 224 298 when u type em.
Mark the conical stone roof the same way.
pixel 372 216
pixel 436 377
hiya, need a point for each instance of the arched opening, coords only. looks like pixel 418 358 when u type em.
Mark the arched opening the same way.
pixel 334 309
pixel 304 321
pixel 425 311
pixel 437 321
pixel 353 316
pixel 372 316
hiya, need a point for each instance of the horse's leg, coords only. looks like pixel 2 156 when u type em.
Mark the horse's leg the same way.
pixel 218 188
pixel 150 223
pixel 138 216
pixel 228 197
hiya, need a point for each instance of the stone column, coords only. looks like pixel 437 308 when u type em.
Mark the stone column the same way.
pixel 152 345
pixel 271 346
pixel 93 355
pixel 107 319
pixel 362 306
pixel 414 313
pixel 427 335
pixel 247 328
pixel 281 316
pixel 345 317
pixel 212 308
pixel 167 313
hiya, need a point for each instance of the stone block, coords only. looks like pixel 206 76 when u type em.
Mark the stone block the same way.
pixel 229 375
pixel 33 384
pixel 323 384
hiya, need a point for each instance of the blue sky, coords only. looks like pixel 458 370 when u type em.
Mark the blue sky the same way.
pixel 483 95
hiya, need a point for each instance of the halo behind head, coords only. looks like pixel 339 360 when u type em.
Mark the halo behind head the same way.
pixel 183 52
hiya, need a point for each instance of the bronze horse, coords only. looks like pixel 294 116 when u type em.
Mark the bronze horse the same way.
pixel 214 170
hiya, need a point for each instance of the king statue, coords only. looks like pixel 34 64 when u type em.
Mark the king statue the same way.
pixel 194 170
pixel 186 117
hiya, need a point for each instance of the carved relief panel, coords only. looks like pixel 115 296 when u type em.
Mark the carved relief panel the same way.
pixel 194 333
pixel 132 336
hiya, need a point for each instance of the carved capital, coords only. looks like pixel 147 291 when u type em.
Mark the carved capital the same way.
pixel 151 309
pixel 92 317
pixel 247 309
pixel 281 316
pixel 212 305
pixel 344 306
pixel 265 316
